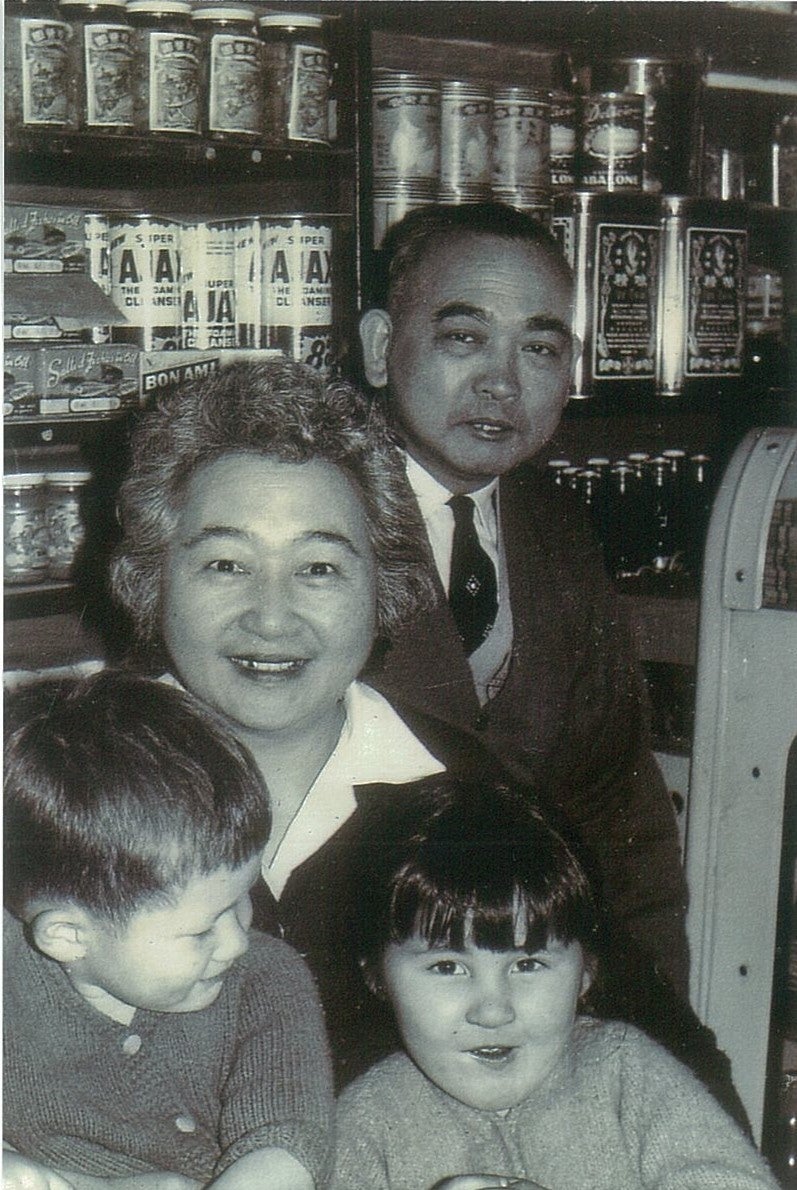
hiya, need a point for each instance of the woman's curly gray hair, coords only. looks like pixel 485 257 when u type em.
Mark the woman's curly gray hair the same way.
pixel 286 411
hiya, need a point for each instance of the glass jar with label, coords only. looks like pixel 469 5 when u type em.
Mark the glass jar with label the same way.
pixel 39 76
pixel 104 61
pixel 25 554
pixel 167 67
pixel 233 72
pixel 296 62
pixel 65 528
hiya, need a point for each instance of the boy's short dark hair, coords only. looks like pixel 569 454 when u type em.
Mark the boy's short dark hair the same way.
pixel 466 862
pixel 119 789
pixel 408 241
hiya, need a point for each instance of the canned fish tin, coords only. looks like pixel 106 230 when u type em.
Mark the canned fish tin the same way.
pixel 39 75
pixel 615 251
pixel 167 78
pixel 298 288
pixel 465 135
pixel 564 140
pixel 405 129
pixel 233 72
pixel 297 74
pixel 611 141
pixel 106 53
pixel 25 558
pixel 65 528
pixel 392 202
pixel 207 285
pixel 522 142
pixel 145 279
pixel 701 295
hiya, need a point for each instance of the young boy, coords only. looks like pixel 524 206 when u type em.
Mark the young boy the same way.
pixel 480 927
pixel 150 1039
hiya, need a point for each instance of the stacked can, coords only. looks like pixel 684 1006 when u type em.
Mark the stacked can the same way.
pixel 145 279
pixel 405 126
pixel 564 140
pixel 612 128
pixel 207 285
pixel 248 273
pixel 521 173
pixel 65 527
pixel 297 312
pixel 98 239
pixel 465 142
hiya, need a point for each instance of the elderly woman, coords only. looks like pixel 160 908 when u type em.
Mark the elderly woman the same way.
pixel 269 540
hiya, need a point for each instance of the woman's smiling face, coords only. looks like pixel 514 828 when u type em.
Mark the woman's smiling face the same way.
pixel 269 591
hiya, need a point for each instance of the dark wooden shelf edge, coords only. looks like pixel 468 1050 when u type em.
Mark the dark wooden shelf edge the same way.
pixel 39 599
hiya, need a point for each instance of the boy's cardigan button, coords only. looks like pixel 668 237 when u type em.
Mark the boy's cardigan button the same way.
pixel 185 1124
pixel 131 1044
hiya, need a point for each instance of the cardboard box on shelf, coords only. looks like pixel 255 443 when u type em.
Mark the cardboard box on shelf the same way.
pixel 163 371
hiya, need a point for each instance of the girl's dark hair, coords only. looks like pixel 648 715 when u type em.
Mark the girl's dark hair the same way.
pixel 466 862
pixel 119 789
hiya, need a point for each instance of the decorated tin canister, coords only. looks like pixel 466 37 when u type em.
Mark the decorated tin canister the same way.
pixel 521 145
pixel 405 112
pixel 297 288
pixel 297 71
pixel 145 279
pixel 615 257
pixel 65 527
pixel 106 60
pixel 38 68
pixel 233 79
pixel 701 294
pixel 25 558
pixel 564 140
pixel 611 141
pixel 465 141
pixel 207 284
pixel 168 70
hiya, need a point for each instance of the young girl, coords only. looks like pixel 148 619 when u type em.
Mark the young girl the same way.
pixel 480 927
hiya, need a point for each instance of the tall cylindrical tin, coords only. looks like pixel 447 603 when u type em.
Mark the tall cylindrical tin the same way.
pixel 167 77
pixel 521 144
pixel 247 270
pixel 297 74
pixel 564 140
pixel 671 91
pixel 37 59
pixel 105 59
pixel 298 288
pixel 465 136
pixel 145 279
pixel 98 238
pixel 701 295
pixel 233 78
pixel 207 285
pixel 615 257
pixel 611 141
pixel 405 115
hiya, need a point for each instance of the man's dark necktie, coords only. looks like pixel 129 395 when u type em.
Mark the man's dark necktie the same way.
pixel 473 590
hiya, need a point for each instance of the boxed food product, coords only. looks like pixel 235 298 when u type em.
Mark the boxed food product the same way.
pixel 21 382
pixel 44 239
pixel 89 380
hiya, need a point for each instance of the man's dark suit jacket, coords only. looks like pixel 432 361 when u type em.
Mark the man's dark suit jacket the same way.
pixel 572 718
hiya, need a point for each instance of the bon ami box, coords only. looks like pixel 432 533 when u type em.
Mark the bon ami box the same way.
pixel 88 380
pixel 162 371
pixel 44 240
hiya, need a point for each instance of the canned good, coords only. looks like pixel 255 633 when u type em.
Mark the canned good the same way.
pixel 784 163
pixel 65 528
pixel 233 72
pixel 611 141
pixel 297 74
pixel 392 202
pixel 723 173
pixel 564 140
pixel 465 132
pixel 207 285
pixel 145 279
pixel 39 76
pixel 247 271
pixel 615 258
pixel 522 143
pixel 98 240
pixel 702 292
pixel 167 77
pixel 405 129
pixel 298 288
pixel 671 91
pixel 106 60
pixel 25 558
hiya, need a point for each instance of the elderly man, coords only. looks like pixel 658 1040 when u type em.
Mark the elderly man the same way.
pixel 524 645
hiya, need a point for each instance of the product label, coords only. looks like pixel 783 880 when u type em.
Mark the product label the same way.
pixel 46 81
pixel 208 285
pixel 521 146
pixel 173 82
pixel 612 144
pixel 236 76
pixel 145 281
pixel 308 116
pixel 248 282
pixel 563 145
pixel 25 541
pixel 110 63
pixel 624 330
pixel 715 301
pixel 65 531
pixel 44 239
pixel 406 135
pixel 465 129
pixel 297 275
